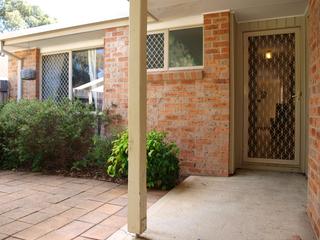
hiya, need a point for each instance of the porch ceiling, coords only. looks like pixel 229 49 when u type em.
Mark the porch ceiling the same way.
pixel 245 10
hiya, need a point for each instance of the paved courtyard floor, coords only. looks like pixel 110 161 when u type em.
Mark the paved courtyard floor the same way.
pixel 36 206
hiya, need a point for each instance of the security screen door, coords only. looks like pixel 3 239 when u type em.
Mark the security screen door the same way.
pixel 272 95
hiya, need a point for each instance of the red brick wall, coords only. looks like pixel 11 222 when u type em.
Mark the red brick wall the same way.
pixel 314 117
pixel 192 106
pixel 116 71
pixel 30 87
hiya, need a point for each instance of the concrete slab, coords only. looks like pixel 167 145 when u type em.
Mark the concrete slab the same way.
pixel 252 205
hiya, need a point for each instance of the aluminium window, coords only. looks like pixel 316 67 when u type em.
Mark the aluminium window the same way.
pixel 77 74
pixel 155 51
pixel 55 77
pixel 88 75
pixel 172 49
pixel 186 47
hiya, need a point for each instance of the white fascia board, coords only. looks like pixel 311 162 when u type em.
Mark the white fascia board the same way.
pixel 48 34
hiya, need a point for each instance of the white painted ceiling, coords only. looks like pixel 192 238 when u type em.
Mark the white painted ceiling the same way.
pixel 245 10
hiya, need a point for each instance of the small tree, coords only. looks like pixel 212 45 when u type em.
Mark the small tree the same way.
pixel 17 14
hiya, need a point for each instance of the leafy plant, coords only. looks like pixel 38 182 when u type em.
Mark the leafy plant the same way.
pixel 163 163
pixel 45 135
pixel 162 160
pixel 118 161
pixel 98 153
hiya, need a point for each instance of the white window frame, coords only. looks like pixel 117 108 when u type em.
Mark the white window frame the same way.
pixel 69 71
pixel 166 50
pixel 70 75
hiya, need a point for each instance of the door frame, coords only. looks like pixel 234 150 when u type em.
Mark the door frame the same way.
pixel 275 162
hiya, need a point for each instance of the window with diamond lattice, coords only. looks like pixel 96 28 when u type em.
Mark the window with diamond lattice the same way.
pixel 55 77
pixel 155 51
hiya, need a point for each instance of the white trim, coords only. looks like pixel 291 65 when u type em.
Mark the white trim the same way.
pixel 53 53
pixel 40 77
pixel 218 11
pixel 155 70
pixel 175 69
pixel 43 35
pixel 186 68
pixel 19 80
pixel 58 27
pixel 306 11
pixel 166 50
pixel 70 75
pixel 90 85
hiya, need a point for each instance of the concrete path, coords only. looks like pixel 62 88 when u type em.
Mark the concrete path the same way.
pixel 35 206
pixel 249 206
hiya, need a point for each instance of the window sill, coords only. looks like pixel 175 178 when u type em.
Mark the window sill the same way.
pixel 176 75
pixel 176 69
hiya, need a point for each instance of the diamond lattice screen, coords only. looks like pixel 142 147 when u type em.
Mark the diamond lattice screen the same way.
pixel 271 118
pixel 155 51
pixel 55 76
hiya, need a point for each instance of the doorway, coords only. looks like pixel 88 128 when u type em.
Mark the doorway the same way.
pixel 272 94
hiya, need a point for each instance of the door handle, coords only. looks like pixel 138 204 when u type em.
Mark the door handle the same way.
pixel 297 96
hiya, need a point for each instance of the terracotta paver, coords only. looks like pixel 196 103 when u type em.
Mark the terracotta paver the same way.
pixel 36 217
pixel 13 227
pixel 109 208
pixel 94 217
pixel 5 220
pixel 115 221
pixel 99 232
pixel 68 231
pixel 35 206
pixel 3 236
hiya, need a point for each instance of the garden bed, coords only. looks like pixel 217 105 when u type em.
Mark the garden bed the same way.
pixel 60 138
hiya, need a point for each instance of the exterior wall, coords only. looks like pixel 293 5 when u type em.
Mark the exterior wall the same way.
pixel 191 105
pixel 314 116
pixel 30 88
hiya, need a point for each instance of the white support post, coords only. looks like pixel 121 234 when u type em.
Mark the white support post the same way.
pixel 19 80
pixel 137 190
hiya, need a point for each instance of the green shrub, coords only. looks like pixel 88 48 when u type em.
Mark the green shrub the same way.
pixel 1 105
pixel 45 135
pixel 162 160
pixel 118 161
pixel 98 153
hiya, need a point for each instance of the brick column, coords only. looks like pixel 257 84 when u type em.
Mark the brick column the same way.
pixel 314 117
pixel 31 88
pixel 116 72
